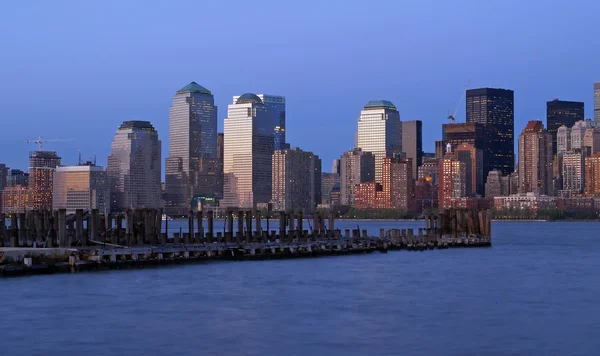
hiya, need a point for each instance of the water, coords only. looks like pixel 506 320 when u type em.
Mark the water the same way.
pixel 535 292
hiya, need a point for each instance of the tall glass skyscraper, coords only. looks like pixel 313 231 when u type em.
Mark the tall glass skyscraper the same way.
pixel 597 102
pixel 192 167
pixel 495 108
pixel 134 167
pixel 379 132
pixel 248 149
pixel 275 106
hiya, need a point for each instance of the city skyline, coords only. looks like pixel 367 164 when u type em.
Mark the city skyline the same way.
pixel 300 65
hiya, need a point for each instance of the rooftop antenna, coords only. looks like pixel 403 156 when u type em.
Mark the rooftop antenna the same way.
pixel 79 163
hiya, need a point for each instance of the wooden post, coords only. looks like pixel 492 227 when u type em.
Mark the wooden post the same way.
pixel 3 235
pixel 93 225
pixel 282 225
pixel 229 234
pixel 62 228
pixel 200 222
pixel 249 225
pixel 190 227
pixel 240 227
pixel 211 231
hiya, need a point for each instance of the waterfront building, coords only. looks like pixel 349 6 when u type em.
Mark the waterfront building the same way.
pixel 15 199
pixel 563 139
pixel 296 180
pixel 276 108
pixel 474 134
pixel 328 181
pixel 473 160
pixel 493 184
pixel 134 167
pixel 535 159
pixel 356 166
pixel 559 113
pixel 426 195
pixel 573 175
pixel 396 190
pixel 452 180
pixel 41 172
pixel 192 166
pixel 379 132
pixel 81 187
pixel 525 201
pixel 412 143
pixel 247 153
pixel 336 195
pixel 592 175
pixel 597 102
pixel 495 109
pixel 430 171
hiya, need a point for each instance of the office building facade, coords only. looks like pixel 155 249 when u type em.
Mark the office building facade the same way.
pixel 247 153
pixel 42 165
pixel 81 187
pixel 573 176
pixel 192 166
pixel 379 132
pixel 296 180
pixel 452 181
pixel 134 167
pixel 412 143
pixel 597 102
pixel 559 113
pixel 535 159
pixel 592 175
pixel 473 160
pixel 495 109
pixel 356 166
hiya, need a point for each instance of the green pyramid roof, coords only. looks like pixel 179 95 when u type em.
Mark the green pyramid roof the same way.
pixel 193 87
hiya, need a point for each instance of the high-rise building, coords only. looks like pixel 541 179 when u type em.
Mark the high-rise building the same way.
pixel 15 199
pixel 597 101
pixel 578 133
pixel 592 175
pixel 558 113
pixel 563 139
pixel 452 182
pixel 248 150
pixel 220 156
pixel 591 141
pixel 425 195
pixel 412 143
pixel 335 167
pixel 17 178
pixel 535 159
pixel 430 171
pixel 276 108
pixel 473 160
pixel 328 181
pixel 573 175
pixel 192 168
pixel 356 166
pixel 474 134
pixel 398 187
pixel 296 180
pixel 495 108
pixel 41 172
pixel 493 184
pixel 134 167
pixel 81 187
pixel 3 176
pixel 379 132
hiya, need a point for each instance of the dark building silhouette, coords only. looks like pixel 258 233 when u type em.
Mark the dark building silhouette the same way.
pixel 412 143
pixel 558 113
pixel 495 109
pixel 473 134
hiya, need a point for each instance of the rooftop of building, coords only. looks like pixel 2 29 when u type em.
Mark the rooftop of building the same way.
pixel 194 87
pixel 534 126
pixel 143 125
pixel 249 98
pixel 378 104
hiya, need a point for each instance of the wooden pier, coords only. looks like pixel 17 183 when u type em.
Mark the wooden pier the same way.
pixel 48 242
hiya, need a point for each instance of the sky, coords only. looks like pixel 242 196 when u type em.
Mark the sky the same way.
pixel 77 69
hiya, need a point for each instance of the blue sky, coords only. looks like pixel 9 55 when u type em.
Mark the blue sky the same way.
pixel 77 69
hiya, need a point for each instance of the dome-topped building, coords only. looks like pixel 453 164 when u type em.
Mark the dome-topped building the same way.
pixel 377 104
pixel 249 98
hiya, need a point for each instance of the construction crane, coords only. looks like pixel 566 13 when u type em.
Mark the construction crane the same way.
pixel 41 142
pixel 452 116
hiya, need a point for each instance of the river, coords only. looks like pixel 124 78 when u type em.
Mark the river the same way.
pixel 535 292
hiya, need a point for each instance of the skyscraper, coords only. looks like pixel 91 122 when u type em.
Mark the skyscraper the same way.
pixel 592 175
pixel 41 173
pixel 578 133
pixel 573 172
pixel 597 101
pixel 335 167
pixel 495 108
pixel 412 143
pixel 356 166
pixel 563 139
pixel 192 168
pixel 328 181
pixel 3 176
pixel 558 113
pixel 473 160
pixel 81 187
pixel 296 180
pixel 379 132
pixel 452 182
pixel 398 186
pixel 248 150
pixel 134 167
pixel 535 159
pixel 276 108
pixel 474 134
